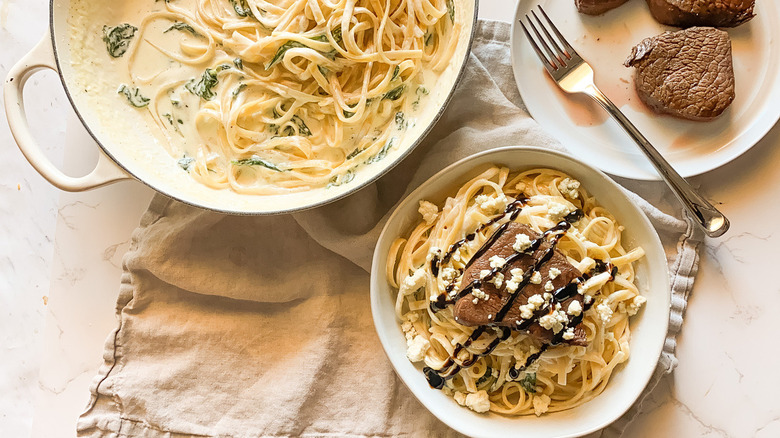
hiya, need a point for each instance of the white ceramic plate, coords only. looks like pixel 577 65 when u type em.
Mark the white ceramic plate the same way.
pixel 648 327
pixel 605 42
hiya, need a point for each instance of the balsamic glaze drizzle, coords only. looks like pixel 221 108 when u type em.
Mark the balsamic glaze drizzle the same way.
pixel 437 378
pixel 450 368
pixel 512 210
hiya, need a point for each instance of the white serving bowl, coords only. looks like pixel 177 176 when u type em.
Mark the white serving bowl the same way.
pixel 648 327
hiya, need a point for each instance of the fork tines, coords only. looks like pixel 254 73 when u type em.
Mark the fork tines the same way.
pixel 559 51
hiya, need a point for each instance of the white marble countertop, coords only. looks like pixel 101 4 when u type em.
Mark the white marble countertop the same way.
pixel 60 256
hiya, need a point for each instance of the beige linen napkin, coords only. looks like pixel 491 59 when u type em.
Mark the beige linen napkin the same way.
pixel 260 326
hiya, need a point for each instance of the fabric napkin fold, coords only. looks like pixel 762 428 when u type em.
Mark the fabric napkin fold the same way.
pixel 236 326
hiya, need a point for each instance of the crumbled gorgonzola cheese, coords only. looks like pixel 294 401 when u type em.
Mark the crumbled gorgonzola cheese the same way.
pixel 554 321
pixel 549 286
pixel 417 347
pixel 497 262
pixel 429 211
pixel 635 304
pixel 498 280
pixel 478 401
pixel 554 273
pixel 522 242
pixel 490 204
pixel 448 274
pixel 536 278
pixel 575 308
pixel 568 187
pixel 556 210
pixel 536 300
pixel 478 293
pixel 605 312
pixel 541 404
pixel 413 282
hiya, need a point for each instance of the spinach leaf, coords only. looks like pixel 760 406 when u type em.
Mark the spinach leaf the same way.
pixel 337 181
pixel 529 383
pixel 302 128
pixel 421 91
pixel 239 63
pixel 133 96
pixel 295 44
pixel 395 93
pixel 254 160
pixel 337 36
pixel 400 120
pixel 203 87
pixel 354 153
pixel 485 377
pixel 288 130
pixel 182 27
pixel 238 90
pixel 451 10
pixel 118 38
pixel 185 162
pixel 336 32
pixel 382 152
pixel 281 51
pixel 242 8
pixel 396 72
pixel 428 38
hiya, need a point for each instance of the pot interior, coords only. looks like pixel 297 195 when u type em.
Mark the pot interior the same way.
pixel 125 136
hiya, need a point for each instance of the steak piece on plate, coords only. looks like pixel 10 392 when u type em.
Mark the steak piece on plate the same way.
pixel 471 310
pixel 597 7
pixel 686 13
pixel 687 74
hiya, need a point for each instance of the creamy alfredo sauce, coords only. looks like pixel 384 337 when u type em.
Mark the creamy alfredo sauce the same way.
pixel 268 105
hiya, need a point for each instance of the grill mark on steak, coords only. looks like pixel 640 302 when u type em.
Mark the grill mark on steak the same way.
pixel 687 74
pixel 686 13
pixel 597 7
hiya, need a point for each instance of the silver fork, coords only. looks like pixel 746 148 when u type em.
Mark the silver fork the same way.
pixel 574 75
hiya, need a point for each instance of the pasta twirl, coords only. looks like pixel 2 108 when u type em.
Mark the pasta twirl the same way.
pixel 272 97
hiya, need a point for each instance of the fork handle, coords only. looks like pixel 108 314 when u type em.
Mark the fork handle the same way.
pixel 714 223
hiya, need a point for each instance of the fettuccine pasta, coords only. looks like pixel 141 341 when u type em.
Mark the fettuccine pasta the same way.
pixel 273 97
pixel 494 368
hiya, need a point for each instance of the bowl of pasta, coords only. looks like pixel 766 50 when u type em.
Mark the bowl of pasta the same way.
pixel 247 106
pixel 521 290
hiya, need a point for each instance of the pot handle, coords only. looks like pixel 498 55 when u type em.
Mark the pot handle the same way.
pixel 40 57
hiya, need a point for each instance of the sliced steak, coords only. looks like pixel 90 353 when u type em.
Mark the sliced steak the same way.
pixel 688 73
pixel 473 311
pixel 686 13
pixel 597 7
